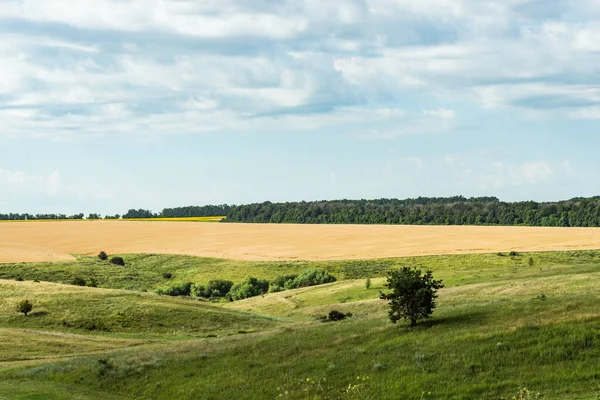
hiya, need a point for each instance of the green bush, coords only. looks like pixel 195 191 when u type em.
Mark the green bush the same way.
pixel 216 288
pixel 78 281
pixel 24 306
pixel 282 282
pixel 117 261
pixel 312 277
pixel 184 289
pixel 249 287
pixel 103 256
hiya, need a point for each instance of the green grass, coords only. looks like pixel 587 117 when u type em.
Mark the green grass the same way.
pixel 143 272
pixel 492 332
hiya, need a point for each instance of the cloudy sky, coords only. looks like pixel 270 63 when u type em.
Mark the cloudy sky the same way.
pixel 114 104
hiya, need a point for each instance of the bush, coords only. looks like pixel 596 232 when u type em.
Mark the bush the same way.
pixel 167 275
pixel 282 282
pixel 334 315
pixel 103 256
pixel 92 283
pixel 312 277
pixel 216 288
pixel 184 289
pixel 368 283
pixel 78 281
pixel 117 261
pixel 513 254
pixel 249 287
pixel 24 306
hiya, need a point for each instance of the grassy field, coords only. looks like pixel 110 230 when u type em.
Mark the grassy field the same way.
pixel 502 323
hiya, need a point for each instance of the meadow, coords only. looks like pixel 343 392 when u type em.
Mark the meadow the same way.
pixel 506 326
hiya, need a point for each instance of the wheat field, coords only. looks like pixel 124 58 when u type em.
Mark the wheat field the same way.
pixel 61 240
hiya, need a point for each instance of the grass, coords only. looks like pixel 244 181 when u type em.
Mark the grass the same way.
pixel 500 324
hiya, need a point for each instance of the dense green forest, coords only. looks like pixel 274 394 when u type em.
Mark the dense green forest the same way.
pixel 457 210
pixel 437 211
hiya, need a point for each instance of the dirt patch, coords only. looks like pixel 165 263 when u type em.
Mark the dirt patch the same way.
pixel 51 241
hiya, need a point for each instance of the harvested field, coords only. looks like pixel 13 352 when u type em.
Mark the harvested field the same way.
pixel 29 242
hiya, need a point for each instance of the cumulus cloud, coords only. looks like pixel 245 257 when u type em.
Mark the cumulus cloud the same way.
pixel 167 67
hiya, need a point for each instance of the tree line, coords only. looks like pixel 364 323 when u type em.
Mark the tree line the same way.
pixel 457 210
pixel 450 211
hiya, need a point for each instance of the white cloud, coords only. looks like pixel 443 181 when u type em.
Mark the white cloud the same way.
pixel 165 66
pixel 24 182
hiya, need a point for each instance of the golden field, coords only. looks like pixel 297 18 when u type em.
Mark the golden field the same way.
pixel 60 240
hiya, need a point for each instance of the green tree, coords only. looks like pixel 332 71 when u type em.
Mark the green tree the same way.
pixel 413 294
pixel 24 306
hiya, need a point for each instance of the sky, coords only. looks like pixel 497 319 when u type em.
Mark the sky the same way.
pixel 117 104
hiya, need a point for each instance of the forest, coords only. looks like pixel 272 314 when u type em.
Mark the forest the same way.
pixel 579 212
pixel 456 210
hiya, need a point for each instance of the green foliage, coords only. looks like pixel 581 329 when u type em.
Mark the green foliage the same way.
pixel 312 277
pixel 167 275
pixel 335 315
pixel 215 288
pixel 117 261
pixel 184 289
pixel 368 283
pixel 24 307
pixel 249 287
pixel 103 256
pixel 78 281
pixel 456 210
pixel 413 295
pixel 282 282
pixel 530 262
pixel 141 213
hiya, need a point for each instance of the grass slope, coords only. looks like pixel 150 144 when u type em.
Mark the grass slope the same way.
pixel 500 324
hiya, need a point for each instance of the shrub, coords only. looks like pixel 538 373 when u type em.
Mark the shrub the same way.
pixel 24 306
pixel 413 295
pixel 183 289
pixel 103 256
pixel 334 315
pixel 513 254
pixel 530 262
pixel 282 282
pixel 92 283
pixel 167 275
pixel 368 283
pixel 312 277
pixel 249 287
pixel 218 287
pixel 117 261
pixel 78 281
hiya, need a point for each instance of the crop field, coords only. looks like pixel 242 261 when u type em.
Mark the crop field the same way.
pixel 51 241
pixel 505 326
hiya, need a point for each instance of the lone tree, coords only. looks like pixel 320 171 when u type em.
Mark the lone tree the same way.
pixel 413 294
pixel 24 306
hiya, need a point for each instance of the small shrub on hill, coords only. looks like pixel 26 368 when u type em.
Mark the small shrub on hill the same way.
pixel 513 254
pixel 24 307
pixel 334 315
pixel 167 275
pixel 249 287
pixel 368 283
pixel 103 256
pixel 92 283
pixel 117 261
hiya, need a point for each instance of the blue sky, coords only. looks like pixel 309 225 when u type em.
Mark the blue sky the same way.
pixel 159 103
